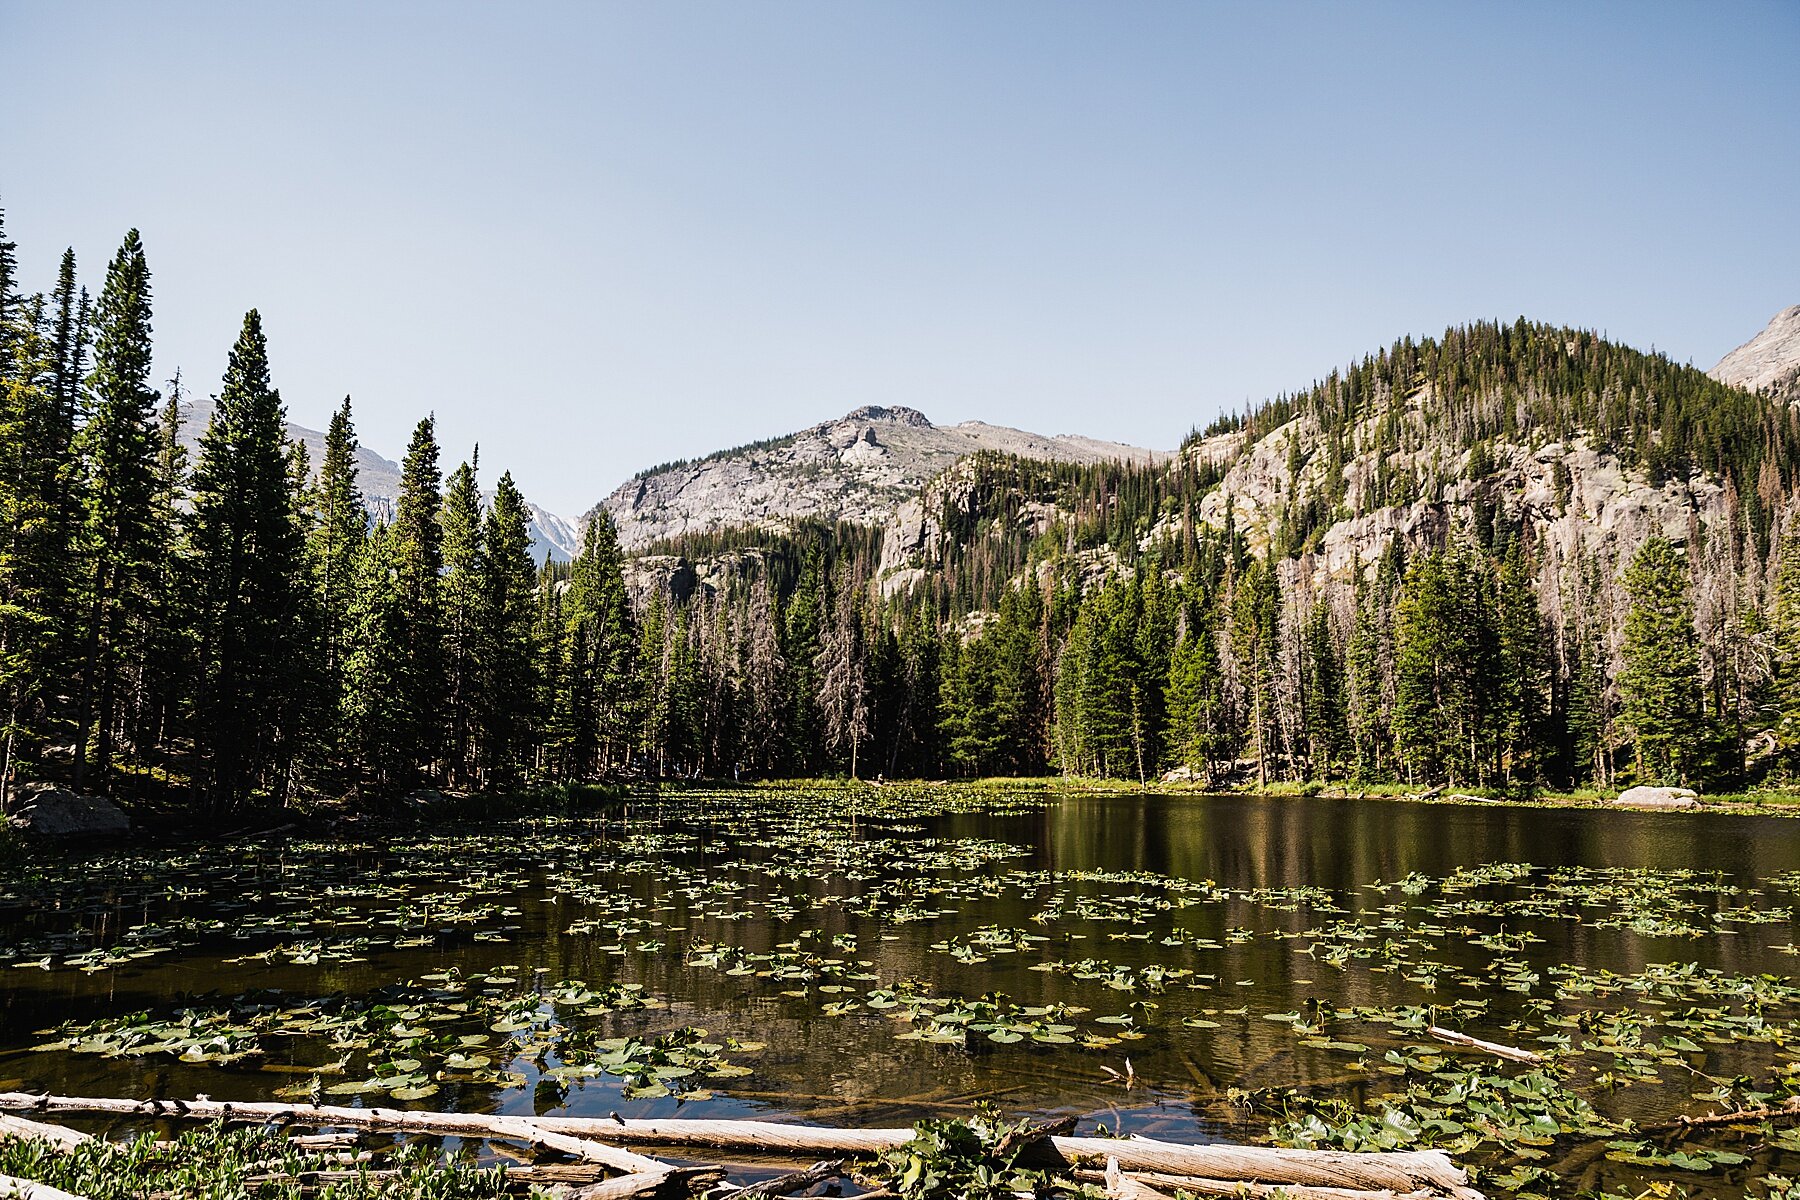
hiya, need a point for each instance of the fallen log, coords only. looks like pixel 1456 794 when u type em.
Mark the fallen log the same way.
pixel 1787 1111
pixel 672 1184
pixel 1120 1186
pixel 58 1135
pixel 1395 1171
pixel 1400 1171
pixel 479 1125
pixel 25 1189
pixel 1197 1186
pixel 1512 1053
pixel 793 1181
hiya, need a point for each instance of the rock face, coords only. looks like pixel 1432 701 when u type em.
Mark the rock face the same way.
pixel 1769 360
pixel 1658 797
pixel 859 468
pixel 1578 497
pixel 47 810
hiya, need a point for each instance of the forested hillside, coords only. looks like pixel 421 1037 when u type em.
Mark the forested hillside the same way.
pixel 1515 557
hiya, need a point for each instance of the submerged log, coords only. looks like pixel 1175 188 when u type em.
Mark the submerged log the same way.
pixel 1512 1053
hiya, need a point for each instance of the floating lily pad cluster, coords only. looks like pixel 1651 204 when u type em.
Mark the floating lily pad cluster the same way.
pixel 824 906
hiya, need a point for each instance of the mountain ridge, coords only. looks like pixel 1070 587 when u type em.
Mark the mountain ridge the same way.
pixel 860 468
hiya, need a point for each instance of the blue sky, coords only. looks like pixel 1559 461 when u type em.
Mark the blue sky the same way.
pixel 593 237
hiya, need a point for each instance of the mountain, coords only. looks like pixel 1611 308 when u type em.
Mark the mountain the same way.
pixel 379 479
pixel 1769 360
pixel 860 469
pixel 1587 446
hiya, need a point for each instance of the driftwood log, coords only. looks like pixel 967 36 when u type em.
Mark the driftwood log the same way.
pixel 25 1189
pixel 56 1135
pixel 1403 1173
pixel 1197 1186
pixel 1512 1053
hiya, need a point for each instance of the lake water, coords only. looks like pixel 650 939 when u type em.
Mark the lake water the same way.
pixel 1195 968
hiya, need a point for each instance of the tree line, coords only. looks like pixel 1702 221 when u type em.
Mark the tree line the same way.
pixel 236 629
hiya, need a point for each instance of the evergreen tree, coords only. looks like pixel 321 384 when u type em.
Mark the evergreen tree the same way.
pixel 1195 701
pixel 465 571
pixel 122 544
pixel 842 668
pixel 1325 721
pixel 381 728
pixel 1785 650
pixel 28 625
pixel 254 601
pixel 506 712
pixel 168 667
pixel 598 610
pixel 334 546
pixel 1255 617
pixel 1659 687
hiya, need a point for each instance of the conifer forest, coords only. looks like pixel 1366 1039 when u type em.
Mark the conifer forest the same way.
pixel 231 627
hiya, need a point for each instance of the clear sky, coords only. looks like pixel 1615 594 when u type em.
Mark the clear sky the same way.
pixel 593 237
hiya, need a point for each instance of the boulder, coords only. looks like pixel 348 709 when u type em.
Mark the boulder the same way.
pixel 1183 774
pixel 1658 797
pixel 50 810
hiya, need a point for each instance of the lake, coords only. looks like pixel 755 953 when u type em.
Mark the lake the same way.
pixel 1191 967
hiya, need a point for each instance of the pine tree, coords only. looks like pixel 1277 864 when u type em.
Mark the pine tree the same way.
pixel 168 665
pixel 27 624
pixel 123 546
pixel 465 569
pixel 334 546
pixel 1255 617
pixel 805 615
pixel 765 680
pixel 1784 619
pixel 1195 700
pixel 1659 688
pixel 506 709
pixel 842 668
pixel 417 558
pixel 381 729
pixel 255 612
pixel 599 608
pixel 1324 718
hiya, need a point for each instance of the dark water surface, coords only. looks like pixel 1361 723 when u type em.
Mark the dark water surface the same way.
pixel 1197 919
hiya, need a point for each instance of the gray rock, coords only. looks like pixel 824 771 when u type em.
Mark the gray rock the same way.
pixel 49 810
pixel 1658 797
pixel 1767 360
pixel 860 469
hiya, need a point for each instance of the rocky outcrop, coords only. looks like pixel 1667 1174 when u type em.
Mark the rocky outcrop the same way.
pixel 1576 496
pixel 1658 797
pixel 861 468
pixel 51 811
pixel 1769 360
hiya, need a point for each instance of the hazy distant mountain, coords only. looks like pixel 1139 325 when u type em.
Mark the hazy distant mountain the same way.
pixel 1769 360
pixel 859 468
pixel 379 479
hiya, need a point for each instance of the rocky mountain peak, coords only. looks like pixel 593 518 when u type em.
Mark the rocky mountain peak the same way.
pixel 898 414
pixel 1770 360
